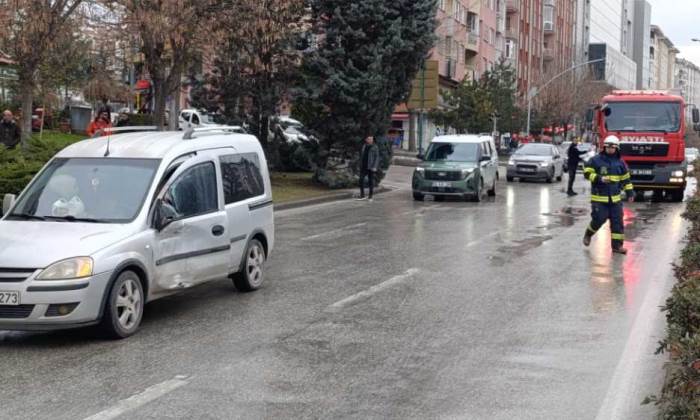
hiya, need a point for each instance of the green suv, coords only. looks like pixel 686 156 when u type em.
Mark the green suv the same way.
pixel 463 166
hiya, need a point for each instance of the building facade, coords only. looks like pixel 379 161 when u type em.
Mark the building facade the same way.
pixel 687 81
pixel 641 42
pixel 7 77
pixel 662 57
pixel 559 21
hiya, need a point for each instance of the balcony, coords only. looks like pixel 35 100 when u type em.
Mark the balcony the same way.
pixel 512 6
pixel 512 33
pixel 549 3
pixel 472 42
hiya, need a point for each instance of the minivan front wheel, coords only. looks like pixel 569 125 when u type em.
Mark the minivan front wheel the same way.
pixel 252 274
pixel 123 311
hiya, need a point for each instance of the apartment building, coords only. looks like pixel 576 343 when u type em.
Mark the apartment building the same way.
pixel 559 20
pixel 662 60
pixel 687 80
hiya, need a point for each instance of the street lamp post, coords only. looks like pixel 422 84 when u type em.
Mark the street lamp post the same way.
pixel 535 91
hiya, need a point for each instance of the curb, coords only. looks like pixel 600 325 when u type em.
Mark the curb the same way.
pixel 339 196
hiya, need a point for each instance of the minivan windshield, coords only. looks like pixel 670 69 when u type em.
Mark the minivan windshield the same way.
pixel 534 149
pixel 97 190
pixel 453 152
pixel 643 116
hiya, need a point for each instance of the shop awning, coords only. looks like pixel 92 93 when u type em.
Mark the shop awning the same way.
pixel 143 85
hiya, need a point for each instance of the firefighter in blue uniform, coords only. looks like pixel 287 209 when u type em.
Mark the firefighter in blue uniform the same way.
pixel 610 181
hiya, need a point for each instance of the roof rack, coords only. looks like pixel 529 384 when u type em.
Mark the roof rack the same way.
pixel 190 132
pixel 116 130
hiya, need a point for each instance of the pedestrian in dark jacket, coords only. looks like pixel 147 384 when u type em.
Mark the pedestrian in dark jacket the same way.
pixel 369 163
pixel 610 180
pixel 573 159
pixel 10 133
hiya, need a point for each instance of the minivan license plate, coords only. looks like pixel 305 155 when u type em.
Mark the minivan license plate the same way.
pixel 9 298
pixel 441 184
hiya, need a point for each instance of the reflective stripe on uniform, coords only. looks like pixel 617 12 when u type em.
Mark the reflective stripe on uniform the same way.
pixel 629 187
pixel 605 199
pixel 617 236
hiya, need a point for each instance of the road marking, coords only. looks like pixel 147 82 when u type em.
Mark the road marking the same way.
pixel 135 401
pixel 333 232
pixel 366 294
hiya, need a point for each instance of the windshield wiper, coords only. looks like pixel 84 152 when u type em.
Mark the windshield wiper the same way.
pixel 76 219
pixel 26 216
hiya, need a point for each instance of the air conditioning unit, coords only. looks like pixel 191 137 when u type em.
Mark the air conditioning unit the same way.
pixel 549 26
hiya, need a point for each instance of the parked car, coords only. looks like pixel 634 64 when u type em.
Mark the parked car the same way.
pixel 114 222
pixel 691 154
pixel 464 166
pixel 536 161
pixel 193 118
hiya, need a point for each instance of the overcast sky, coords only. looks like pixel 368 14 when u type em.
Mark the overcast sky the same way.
pixel 680 21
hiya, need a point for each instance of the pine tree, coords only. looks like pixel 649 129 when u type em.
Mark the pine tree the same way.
pixel 368 52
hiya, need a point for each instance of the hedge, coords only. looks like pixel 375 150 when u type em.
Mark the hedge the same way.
pixel 18 167
pixel 680 395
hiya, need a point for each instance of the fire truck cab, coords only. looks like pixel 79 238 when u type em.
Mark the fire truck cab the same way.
pixel 651 126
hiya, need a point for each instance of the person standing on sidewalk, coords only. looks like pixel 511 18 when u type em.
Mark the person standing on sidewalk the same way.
pixel 574 158
pixel 369 163
pixel 10 133
pixel 610 179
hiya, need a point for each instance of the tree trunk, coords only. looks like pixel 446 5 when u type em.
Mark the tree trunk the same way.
pixel 27 94
pixel 412 132
pixel 173 117
pixel 160 93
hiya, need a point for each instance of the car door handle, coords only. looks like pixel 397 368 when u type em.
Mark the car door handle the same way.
pixel 218 230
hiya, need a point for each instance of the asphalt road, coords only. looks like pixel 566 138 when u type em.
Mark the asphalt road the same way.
pixel 391 309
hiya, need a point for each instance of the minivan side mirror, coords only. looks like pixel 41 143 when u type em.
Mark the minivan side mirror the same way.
pixel 485 158
pixel 696 116
pixel 7 203
pixel 420 156
pixel 162 216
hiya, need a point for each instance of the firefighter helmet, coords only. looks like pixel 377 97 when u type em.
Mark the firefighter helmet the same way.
pixel 612 141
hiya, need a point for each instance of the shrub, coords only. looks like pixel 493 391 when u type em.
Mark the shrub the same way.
pixel 680 396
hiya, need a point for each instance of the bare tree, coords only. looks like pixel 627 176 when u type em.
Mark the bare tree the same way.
pixel 171 33
pixel 28 31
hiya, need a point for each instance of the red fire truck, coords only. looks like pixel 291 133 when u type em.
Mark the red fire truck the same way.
pixel 651 127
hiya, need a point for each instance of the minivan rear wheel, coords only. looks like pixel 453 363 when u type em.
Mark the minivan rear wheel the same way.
pixel 123 310
pixel 252 273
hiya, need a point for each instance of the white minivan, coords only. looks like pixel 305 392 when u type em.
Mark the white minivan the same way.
pixel 114 222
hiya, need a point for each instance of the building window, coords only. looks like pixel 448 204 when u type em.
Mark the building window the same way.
pixel 441 5
pixel 510 49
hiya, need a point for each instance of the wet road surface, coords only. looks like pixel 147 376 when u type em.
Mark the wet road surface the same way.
pixel 391 309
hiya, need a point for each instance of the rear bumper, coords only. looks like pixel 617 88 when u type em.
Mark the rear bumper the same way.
pixel 541 173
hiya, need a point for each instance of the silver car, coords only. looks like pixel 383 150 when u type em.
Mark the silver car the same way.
pixel 112 223
pixel 536 161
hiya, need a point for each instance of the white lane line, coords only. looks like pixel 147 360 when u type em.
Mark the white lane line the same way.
pixel 333 232
pixel 366 294
pixel 135 401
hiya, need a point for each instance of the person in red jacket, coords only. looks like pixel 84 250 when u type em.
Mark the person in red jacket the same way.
pixel 100 123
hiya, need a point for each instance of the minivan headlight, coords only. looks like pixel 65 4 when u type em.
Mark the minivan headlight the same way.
pixel 467 172
pixel 544 164
pixel 73 268
pixel 420 169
